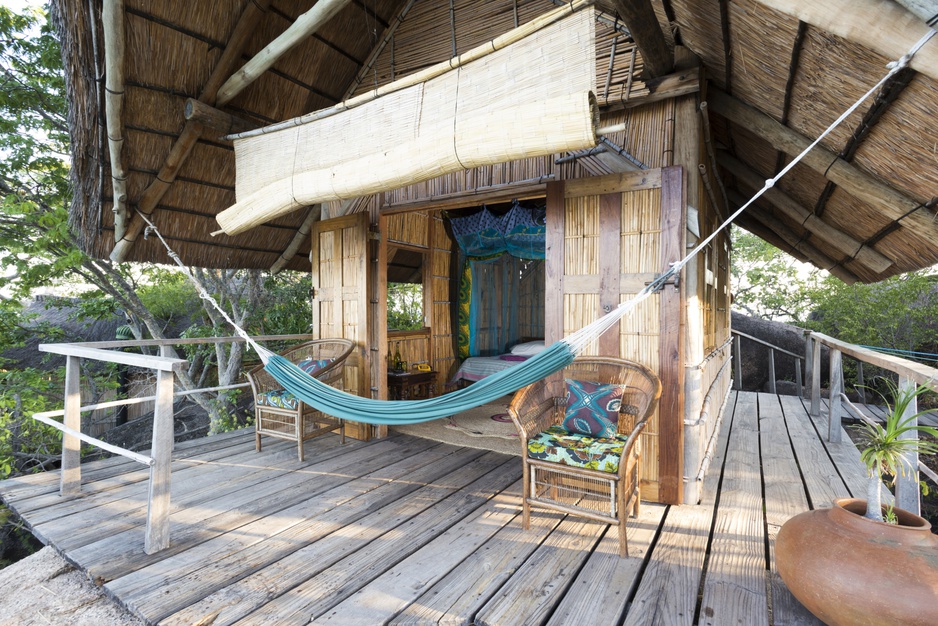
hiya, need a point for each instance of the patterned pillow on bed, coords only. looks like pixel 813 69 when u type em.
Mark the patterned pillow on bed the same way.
pixel 592 408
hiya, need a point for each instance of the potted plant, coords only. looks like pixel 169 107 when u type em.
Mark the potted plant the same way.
pixel 849 566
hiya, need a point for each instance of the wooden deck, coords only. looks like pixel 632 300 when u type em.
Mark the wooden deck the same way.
pixel 409 531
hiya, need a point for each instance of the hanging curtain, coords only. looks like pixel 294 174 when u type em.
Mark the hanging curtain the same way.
pixel 490 246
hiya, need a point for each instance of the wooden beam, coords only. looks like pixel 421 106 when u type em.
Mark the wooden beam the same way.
pixel 304 26
pixel 218 121
pixel 814 255
pixel 840 241
pixel 661 88
pixel 193 130
pixel 880 25
pixel 640 17
pixel 112 20
pixel 315 212
pixel 927 10
pixel 919 224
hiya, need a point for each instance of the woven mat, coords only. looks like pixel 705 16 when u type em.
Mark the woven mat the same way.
pixel 487 427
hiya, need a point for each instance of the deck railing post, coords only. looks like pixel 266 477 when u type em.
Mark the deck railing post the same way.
pixel 737 364
pixel 861 383
pixel 771 370
pixel 70 479
pixel 798 381
pixel 907 486
pixel 815 378
pixel 157 537
pixel 808 364
pixel 835 411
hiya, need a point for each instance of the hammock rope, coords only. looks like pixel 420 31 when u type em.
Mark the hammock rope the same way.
pixel 554 358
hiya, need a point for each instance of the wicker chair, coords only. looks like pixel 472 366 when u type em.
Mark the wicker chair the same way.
pixel 279 414
pixel 606 485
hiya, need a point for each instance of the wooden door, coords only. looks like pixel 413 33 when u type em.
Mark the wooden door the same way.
pixel 340 297
pixel 607 237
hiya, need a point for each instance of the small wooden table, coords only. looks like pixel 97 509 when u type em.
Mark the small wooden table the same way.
pixel 411 385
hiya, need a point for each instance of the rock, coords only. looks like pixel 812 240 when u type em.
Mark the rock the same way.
pixel 755 356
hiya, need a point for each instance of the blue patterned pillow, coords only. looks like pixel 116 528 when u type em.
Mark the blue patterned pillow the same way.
pixel 311 366
pixel 592 408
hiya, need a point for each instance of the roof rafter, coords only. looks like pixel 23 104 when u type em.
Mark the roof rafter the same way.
pixel 919 224
pixel 640 17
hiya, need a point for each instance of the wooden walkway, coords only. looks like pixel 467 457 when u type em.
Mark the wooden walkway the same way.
pixel 409 531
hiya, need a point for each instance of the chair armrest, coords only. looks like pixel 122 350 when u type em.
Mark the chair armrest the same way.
pixel 536 408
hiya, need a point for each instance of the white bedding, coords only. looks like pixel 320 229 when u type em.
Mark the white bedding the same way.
pixel 478 367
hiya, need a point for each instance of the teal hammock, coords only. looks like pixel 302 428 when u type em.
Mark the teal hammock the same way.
pixel 347 406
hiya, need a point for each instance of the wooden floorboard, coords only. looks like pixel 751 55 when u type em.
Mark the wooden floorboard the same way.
pixel 408 531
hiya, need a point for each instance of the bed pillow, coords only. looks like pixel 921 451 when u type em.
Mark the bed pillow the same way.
pixel 311 366
pixel 529 348
pixel 592 408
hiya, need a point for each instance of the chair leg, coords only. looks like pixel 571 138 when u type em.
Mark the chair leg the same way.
pixel 525 494
pixel 257 434
pixel 623 540
pixel 342 431
pixel 300 427
pixel 257 441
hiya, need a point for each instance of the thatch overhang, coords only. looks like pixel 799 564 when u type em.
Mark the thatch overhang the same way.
pixel 765 67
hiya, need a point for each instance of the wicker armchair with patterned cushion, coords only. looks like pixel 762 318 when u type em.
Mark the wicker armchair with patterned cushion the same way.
pixel 579 433
pixel 278 413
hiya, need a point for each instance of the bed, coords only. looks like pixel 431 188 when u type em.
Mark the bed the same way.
pixel 475 368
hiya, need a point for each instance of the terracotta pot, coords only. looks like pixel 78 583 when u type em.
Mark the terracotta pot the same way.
pixel 847 569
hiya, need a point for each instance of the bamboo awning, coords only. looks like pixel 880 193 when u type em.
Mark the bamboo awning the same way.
pixel 532 97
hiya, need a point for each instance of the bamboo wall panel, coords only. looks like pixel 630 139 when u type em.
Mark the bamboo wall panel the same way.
pixel 443 344
pixel 531 300
pixel 410 228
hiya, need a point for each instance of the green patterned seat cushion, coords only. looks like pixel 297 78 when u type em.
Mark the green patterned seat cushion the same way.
pixel 278 398
pixel 557 445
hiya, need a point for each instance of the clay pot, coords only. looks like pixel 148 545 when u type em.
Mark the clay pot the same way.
pixel 848 570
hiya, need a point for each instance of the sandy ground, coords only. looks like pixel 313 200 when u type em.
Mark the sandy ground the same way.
pixel 45 589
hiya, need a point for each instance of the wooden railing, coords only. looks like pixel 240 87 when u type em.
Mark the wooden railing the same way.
pixel 160 459
pixel 910 374
pixel 773 349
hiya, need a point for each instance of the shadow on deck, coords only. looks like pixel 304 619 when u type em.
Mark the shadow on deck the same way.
pixel 409 531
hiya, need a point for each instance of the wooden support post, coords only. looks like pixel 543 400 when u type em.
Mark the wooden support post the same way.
pixel 220 122
pixel 861 383
pixel 70 480
pixel 907 487
pixel 157 535
pixel 835 412
pixel 808 365
pixel 737 363
pixel 798 382
pixel 816 379
pixel 772 370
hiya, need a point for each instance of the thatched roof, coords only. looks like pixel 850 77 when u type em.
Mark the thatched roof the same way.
pixel 760 60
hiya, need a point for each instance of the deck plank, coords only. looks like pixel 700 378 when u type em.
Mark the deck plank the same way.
pixel 538 586
pixel 784 498
pixel 318 594
pixel 384 597
pixel 456 598
pixel 824 484
pixel 667 593
pixel 168 586
pixel 118 555
pixel 343 544
pixel 602 589
pixel 734 590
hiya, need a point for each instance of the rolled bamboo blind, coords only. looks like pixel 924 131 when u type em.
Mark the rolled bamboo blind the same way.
pixel 531 98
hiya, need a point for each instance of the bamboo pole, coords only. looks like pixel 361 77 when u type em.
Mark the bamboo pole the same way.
pixel 112 19
pixel 433 71
pixel 315 212
pixel 880 25
pixel 304 26
pixel 192 130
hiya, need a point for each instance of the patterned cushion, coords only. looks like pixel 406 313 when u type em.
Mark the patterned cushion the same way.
pixel 592 408
pixel 311 366
pixel 281 399
pixel 557 445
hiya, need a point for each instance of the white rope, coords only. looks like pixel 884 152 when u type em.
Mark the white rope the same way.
pixel 582 337
pixel 262 352
pixel 588 333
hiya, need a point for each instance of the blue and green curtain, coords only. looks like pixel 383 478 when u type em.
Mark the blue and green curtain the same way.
pixel 495 250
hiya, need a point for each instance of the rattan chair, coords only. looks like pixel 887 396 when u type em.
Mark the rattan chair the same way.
pixel 608 494
pixel 279 414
